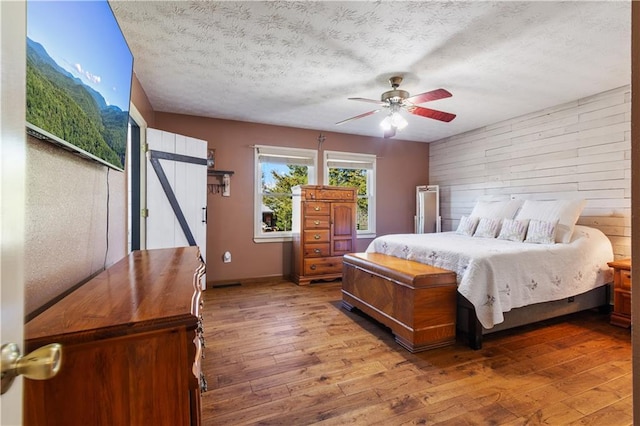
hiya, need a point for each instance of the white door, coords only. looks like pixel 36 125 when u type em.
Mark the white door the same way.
pixel 191 188
pixel 176 191
pixel 12 192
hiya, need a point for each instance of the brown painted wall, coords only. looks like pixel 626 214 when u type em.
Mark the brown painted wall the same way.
pixel 401 166
pixel 141 102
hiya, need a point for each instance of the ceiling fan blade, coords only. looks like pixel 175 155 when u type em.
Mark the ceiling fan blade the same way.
pixel 357 116
pixel 431 113
pixel 371 101
pixel 429 96
pixel 390 133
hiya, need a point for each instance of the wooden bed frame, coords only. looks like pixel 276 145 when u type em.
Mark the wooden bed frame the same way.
pixel 421 305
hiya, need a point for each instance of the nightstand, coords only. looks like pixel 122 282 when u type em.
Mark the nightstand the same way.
pixel 621 315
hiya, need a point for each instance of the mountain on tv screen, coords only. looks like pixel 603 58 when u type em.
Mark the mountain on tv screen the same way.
pixel 79 70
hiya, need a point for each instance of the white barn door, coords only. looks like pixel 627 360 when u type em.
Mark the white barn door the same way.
pixel 176 192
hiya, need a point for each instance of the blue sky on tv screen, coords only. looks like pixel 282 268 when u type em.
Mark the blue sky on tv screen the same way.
pixel 83 37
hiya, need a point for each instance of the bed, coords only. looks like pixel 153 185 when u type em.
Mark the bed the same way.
pixel 504 283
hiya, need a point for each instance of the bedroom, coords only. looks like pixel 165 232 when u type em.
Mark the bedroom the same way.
pixel 482 176
pixel 270 261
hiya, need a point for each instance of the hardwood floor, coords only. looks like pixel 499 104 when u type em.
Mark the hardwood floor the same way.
pixel 282 354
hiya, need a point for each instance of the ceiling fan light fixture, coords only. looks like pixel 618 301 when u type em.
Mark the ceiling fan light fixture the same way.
pixel 393 121
pixel 386 123
pixel 398 121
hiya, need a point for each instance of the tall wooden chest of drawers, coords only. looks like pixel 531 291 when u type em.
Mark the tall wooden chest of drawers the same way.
pixel 324 229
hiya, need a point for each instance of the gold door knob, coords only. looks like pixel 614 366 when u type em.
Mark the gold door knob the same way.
pixel 316 251
pixel 317 208
pixel 316 222
pixel 41 364
pixel 317 237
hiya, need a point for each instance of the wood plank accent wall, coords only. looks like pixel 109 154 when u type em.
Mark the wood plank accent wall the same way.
pixel 581 149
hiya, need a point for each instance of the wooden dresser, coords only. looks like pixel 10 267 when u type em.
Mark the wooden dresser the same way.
pixel 131 346
pixel 621 315
pixel 324 229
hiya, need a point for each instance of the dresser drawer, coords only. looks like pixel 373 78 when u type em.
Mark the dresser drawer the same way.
pixel 625 280
pixel 335 194
pixel 622 302
pixel 316 236
pixel 316 209
pixel 316 222
pixel 317 250
pixel 323 265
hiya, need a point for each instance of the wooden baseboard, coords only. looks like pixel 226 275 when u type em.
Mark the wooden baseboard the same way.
pixel 256 280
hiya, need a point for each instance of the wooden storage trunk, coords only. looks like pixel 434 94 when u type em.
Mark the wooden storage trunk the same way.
pixel 416 301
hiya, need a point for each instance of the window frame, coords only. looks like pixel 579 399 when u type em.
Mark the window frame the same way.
pixel 351 159
pixel 263 150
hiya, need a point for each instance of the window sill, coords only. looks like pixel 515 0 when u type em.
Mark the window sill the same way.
pixel 366 235
pixel 272 239
pixel 287 238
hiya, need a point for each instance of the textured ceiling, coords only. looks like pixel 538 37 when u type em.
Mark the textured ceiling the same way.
pixel 296 63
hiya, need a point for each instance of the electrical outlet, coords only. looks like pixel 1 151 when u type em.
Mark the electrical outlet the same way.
pixel 226 258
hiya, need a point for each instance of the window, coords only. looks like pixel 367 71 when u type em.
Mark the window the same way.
pixel 277 170
pixel 358 170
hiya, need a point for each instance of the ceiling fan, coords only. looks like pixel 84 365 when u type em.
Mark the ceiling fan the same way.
pixel 396 99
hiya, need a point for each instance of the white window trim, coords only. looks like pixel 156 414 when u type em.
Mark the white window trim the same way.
pixel 278 236
pixel 353 159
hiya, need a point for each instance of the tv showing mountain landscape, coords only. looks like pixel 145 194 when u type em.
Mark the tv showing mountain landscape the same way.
pixel 79 70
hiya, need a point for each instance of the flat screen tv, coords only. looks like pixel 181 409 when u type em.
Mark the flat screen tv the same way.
pixel 79 70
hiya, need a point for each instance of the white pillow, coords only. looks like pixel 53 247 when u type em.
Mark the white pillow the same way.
pixel 467 225
pixel 487 228
pixel 513 230
pixel 564 212
pixel 496 209
pixel 541 232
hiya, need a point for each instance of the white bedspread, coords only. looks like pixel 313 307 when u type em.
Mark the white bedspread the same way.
pixel 497 275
